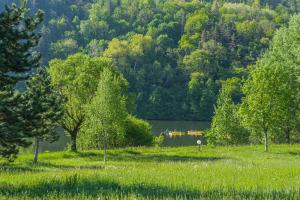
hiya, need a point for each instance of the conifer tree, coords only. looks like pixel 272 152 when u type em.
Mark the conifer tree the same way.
pixel 17 40
pixel 42 109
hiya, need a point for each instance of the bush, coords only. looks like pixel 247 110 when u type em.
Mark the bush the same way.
pixel 159 140
pixel 137 132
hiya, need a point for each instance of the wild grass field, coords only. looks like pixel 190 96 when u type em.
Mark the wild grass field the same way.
pixel 157 173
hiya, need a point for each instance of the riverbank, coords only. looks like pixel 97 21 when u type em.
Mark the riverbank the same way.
pixel 157 173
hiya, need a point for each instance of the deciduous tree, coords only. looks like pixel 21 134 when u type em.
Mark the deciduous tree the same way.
pixel 106 114
pixel 77 78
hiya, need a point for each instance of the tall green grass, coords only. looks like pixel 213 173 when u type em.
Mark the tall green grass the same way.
pixel 157 173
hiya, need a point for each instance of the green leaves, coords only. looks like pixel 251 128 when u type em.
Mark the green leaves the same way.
pixel 106 113
pixel 271 100
pixel 77 78
pixel 226 128
pixel 42 107
pixel 17 58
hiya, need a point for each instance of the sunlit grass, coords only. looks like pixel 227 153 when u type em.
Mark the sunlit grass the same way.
pixel 157 173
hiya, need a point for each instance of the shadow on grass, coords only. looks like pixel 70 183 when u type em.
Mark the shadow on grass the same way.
pixel 136 156
pixel 18 169
pixel 294 153
pixel 73 186
pixel 67 167
pixel 161 158
pixel 127 156
pixel 82 155
pixel 121 157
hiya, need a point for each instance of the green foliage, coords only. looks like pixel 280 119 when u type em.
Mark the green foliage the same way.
pixel 158 45
pixel 17 25
pixel 202 95
pixel 106 114
pixel 226 127
pixel 63 48
pixel 77 78
pixel 159 140
pixel 42 108
pixel 196 23
pixel 11 124
pixel 137 132
pixel 271 93
pixel 18 37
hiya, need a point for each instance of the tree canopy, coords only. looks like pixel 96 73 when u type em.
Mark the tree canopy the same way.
pixel 77 78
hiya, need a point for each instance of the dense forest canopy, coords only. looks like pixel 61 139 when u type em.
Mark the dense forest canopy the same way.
pixel 174 54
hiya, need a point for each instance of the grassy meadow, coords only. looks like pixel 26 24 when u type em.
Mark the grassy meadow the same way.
pixel 157 173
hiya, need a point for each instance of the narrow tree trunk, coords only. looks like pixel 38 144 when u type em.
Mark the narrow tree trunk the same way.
pixel 74 141
pixel 105 152
pixel 36 150
pixel 73 131
pixel 266 142
pixel 109 7
pixel 182 22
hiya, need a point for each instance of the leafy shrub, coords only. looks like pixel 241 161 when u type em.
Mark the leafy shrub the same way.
pixel 137 132
pixel 158 140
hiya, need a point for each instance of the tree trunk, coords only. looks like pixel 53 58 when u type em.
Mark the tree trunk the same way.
pixel 266 142
pixel 105 152
pixel 182 23
pixel 109 7
pixel 74 141
pixel 73 131
pixel 36 150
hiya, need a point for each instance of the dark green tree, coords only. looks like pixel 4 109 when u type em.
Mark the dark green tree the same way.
pixel 42 109
pixel 17 38
pixel 11 135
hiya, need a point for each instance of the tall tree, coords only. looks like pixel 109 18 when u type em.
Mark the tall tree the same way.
pixel 106 114
pixel 42 109
pixel 226 127
pixel 11 134
pixel 77 78
pixel 284 51
pixel 271 100
pixel 18 37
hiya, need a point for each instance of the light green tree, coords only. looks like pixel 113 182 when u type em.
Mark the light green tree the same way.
pixel 226 127
pixel 271 100
pixel 77 78
pixel 285 51
pixel 106 114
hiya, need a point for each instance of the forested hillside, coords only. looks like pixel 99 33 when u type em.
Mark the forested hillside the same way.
pixel 173 53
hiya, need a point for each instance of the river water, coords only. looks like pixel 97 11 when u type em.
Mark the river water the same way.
pixel 158 127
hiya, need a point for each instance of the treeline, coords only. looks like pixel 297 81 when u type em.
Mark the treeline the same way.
pixel 86 96
pixel 269 109
pixel 174 54
pixel 154 59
